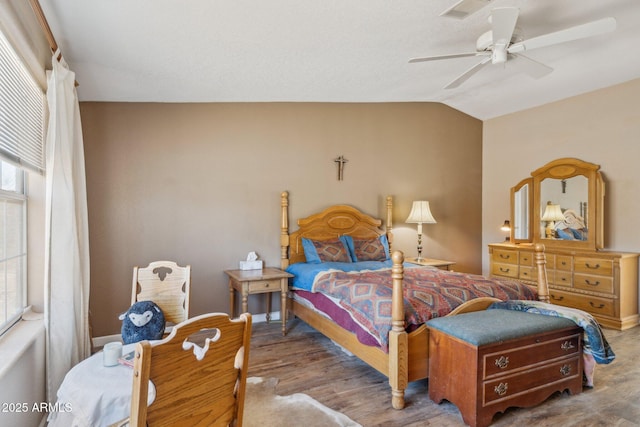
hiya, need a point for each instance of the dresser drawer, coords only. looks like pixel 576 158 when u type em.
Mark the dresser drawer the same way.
pixel 599 266
pixel 593 283
pixel 528 273
pixel 511 386
pixel 526 258
pixel 528 354
pixel 507 270
pixel 561 278
pixel 564 262
pixel 264 286
pixel 505 257
pixel 589 303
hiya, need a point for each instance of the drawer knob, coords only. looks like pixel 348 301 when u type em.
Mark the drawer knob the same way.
pixel 567 345
pixel 593 267
pixel 266 285
pixel 565 370
pixel 588 282
pixel 501 389
pixel 502 362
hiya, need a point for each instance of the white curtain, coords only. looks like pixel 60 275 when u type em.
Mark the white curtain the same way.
pixel 67 234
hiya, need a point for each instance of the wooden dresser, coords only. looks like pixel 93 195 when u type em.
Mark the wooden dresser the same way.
pixel 602 283
pixel 487 361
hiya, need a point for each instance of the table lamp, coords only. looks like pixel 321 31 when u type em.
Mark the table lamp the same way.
pixel 552 213
pixel 506 227
pixel 420 214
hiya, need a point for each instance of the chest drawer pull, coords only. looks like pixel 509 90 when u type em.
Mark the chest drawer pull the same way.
pixel 567 345
pixel 601 305
pixel 553 297
pixel 501 389
pixel 504 270
pixel 593 267
pixel 502 362
pixel 503 256
pixel 588 282
pixel 565 370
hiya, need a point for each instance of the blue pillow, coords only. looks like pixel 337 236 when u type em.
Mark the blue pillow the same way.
pixel 317 251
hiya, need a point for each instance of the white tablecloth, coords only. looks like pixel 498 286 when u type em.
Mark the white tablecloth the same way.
pixel 93 395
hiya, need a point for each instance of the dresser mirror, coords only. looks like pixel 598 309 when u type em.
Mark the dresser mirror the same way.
pixel 521 211
pixel 561 205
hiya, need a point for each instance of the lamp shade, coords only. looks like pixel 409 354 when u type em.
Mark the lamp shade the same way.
pixel 552 213
pixel 420 213
pixel 506 226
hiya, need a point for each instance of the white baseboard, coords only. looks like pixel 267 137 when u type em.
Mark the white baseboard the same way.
pixel 99 342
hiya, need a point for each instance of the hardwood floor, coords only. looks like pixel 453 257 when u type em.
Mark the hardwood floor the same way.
pixel 304 361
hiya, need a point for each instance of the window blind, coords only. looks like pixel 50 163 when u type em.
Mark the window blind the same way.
pixel 22 112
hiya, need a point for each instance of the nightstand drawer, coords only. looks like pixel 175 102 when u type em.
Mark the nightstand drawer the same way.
pixel 264 286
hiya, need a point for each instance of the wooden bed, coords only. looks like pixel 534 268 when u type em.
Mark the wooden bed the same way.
pixel 408 356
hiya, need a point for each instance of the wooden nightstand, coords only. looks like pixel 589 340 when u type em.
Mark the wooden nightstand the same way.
pixel 266 280
pixel 441 264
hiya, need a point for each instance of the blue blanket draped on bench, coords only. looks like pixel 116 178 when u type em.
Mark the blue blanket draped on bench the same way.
pixel 594 342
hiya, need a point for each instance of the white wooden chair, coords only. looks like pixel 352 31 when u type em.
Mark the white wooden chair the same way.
pixel 166 284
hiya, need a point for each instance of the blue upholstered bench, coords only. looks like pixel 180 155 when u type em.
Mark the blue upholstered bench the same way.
pixel 487 361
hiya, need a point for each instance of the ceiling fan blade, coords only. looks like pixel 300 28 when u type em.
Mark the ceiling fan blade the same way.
pixel 534 68
pixel 464 8
pixel 467 74
pixel 503 22
pixel 450 56
pixel 594 28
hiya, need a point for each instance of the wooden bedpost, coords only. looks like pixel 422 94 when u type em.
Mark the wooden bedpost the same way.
pixel 389 225
pixel 284 230
pixel 543 284
pixel 398 339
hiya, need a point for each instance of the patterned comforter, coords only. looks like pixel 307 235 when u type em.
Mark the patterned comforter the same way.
pixel 428 293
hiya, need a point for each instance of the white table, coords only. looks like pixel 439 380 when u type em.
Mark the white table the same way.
pixel 94 395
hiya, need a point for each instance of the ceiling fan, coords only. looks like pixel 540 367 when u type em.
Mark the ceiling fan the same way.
pixel 504 42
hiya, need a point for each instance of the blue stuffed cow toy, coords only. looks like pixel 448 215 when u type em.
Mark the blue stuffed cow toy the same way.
pixel 143 321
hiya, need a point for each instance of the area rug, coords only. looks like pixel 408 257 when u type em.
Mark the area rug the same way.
pixel 264 408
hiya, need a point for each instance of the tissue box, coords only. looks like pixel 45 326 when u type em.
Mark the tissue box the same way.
pixel 251 265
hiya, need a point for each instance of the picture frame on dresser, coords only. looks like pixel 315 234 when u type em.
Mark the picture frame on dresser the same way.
pixel 580 273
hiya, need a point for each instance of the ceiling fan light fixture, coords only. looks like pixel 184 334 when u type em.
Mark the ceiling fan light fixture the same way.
pixel 464 8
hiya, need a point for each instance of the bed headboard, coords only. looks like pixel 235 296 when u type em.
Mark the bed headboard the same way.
pixel 332 222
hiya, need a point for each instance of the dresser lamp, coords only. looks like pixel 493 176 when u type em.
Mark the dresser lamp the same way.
pixel 420 214
pixel 506 227
pixel 552 213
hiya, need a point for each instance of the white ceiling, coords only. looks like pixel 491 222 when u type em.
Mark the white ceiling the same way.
pixel 330 51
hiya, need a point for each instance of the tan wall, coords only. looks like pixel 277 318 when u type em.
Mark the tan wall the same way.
pixel 201 184
pixel 600 127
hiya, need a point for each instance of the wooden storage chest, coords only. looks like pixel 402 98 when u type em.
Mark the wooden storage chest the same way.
pixel 487 361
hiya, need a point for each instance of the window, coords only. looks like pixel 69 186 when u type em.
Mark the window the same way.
pixel 13 248
pixel 22 121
